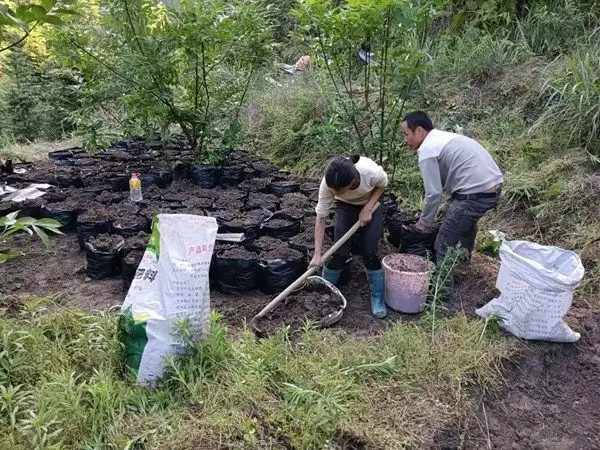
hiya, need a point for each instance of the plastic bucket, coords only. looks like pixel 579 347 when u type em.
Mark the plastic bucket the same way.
pixel 406 282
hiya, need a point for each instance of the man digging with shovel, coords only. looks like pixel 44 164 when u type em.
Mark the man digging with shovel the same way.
pixel 464 169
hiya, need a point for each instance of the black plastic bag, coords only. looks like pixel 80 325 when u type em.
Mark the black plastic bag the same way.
pixel 131 226
pixel 162 179
pixel 103 263
pixel 117 182
pixel 61 157
pixel 232 175
pixel 129 267
pixel 274 275
pixel 281 228
pixel 411 240
pixel 67 216
pixel 390 204
pixel 397 224
pixel 206 177
pixel 87 229
pixel 235 275
pixel 182 170
pixel 280 188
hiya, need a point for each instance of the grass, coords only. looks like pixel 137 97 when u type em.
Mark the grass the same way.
pixel 302 390
pixel 35 151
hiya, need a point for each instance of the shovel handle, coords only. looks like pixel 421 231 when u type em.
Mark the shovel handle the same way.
pixel 311 270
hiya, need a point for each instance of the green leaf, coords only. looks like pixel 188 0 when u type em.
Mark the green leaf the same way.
pixel 4 257
pixel 48 223
pixel 26 221
pixel 43 236
pixel 66 11
pixel 38 11
pixel 51 19
pixel 48 4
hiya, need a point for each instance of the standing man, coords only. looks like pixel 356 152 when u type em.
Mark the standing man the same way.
pixel 460 166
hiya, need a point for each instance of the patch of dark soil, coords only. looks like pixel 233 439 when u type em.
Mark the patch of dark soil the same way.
pixel 256 184
pixel 230 199
pixel 266 243
pixel 548 399
pixel 309 189
pixel 95 212
pixel 262 201
pixel 238 253
pixel 106 242
pixel 293 214
pixel 295 200
pixel 281 228
pixel 110 197
pixel 474 284
pixel 300 307
pixel 137 242
pixel 280 252
pixel 58 273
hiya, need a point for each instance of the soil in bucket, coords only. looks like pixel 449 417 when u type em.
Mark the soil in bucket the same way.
pixel 130 265
pixel 406 282
pixel 300 307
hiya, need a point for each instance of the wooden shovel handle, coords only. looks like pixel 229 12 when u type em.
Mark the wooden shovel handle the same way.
pixel 311 270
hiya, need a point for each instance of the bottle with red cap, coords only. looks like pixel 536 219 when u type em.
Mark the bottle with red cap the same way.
pixel 135 188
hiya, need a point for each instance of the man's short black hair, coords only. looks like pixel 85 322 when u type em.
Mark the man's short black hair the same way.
pixel 418 119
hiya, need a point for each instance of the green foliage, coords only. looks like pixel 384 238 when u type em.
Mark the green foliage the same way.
pixel 22 18
pixel 149 66
pixel 573 108
pixel 372 94
pixel 10 225
pixel 36 98
pixel 239 393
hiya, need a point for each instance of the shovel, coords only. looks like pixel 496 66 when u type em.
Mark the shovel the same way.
pixel 311 270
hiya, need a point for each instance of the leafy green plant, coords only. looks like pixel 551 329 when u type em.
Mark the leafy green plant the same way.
pixel 22 18
pixel 10 225
pixel 373 53
pixel 150 67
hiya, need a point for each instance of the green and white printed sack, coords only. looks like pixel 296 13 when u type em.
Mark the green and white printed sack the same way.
pixel 171 284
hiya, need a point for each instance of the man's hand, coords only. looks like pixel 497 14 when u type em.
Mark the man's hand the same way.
pixel 316 261
pixel 422 227
pixel 365 216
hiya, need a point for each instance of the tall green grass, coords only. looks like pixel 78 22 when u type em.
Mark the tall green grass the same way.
pixel 63 386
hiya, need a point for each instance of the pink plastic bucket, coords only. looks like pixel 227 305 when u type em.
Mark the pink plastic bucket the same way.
pixel 406 282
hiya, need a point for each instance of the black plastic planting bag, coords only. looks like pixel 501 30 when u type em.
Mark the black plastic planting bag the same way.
pixel 281 228
pixel 67 217
pixel 129 267
pixel 131 226
pixel 280 188
pixel 182 170
pixel 232 175
pixel 117 182
pixel 206 177
pixel 235 275
pixel 411 240
pixel 390 204
pixel 276 275
pixel 102 264
pixel 87 229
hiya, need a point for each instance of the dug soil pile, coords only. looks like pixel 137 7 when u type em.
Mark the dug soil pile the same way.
pixel 300 308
